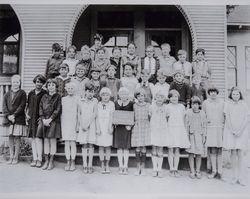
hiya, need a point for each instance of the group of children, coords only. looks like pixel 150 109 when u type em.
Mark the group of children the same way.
pixel 167 97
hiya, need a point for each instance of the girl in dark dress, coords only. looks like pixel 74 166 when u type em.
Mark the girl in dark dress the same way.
pixel 49 126
pixel 122 133
pixel 32 115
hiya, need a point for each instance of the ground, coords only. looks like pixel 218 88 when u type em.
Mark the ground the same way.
pixel 21 179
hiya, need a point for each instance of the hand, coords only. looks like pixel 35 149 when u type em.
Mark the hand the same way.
pixel 45 122
pixel 49 120
pixel 128 128
pixel 11 118
pixel 27 117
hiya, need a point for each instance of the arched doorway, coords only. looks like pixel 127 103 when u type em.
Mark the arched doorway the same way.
pixel 10 34
pixel 145 25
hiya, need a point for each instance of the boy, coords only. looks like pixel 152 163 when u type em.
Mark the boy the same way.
pixel 53 63
pixel 62 79
pixel 86 60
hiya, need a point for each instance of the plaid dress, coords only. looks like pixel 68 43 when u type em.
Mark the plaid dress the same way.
pixel 141 131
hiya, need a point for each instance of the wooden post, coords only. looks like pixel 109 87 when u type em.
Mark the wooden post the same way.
pixel 139 32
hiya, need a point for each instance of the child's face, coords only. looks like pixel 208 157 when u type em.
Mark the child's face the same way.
pixel 123 96
pixel 131 49
pixel 141 97
pixel 174 99
pixel 159 98
pixel 95 75
pixel 200 56
pixel 51 87
pixel 161 79
pixel 196 81
pixel 103 78
pixel 56 53
pixel 105 97
pixel 145 77
pixel 236 95
pixel 98 42
pixel 71 53
pixel 90 94
pixel 111 72
pixel 195 106
pixel 165 50
pixel 117 54
pixel 182 57
pixel 179 77
pixel 101 54
pixel 70 90
pixel 15 83
pixel 63 72
pixel 149 52
pixel 85 54
pixel 128 71
pixel 80 72
pixel 213 94
pixel 38 84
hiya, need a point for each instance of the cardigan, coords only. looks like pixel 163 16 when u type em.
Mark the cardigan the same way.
pixel 184 91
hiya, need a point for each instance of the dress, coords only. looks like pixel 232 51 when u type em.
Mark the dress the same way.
pixel 80 85
pixel 130 83
pixel 163 88
pixel 177 134
pixel 104 122
pixel 148 89
pixel 196 125
pixel 114 85
pixel 215 119
pixel 72 66
pixel 141 131
pixel 87 114
pixel 236 118
pixel 69 117
pixel 61 85
pixel 158 125
pixel 122 136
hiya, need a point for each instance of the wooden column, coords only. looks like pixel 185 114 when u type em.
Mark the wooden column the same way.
pixel 139 32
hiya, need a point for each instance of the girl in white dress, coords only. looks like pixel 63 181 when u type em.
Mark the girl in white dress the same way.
pixel 159 130
pixel 71 60
pixel 69 125
pixel 87 109
pixel 177 134
pixel 235 137
pixel 105 109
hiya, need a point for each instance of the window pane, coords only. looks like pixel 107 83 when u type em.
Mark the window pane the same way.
pixel 122 40
pixel 231 56
pixel 110 42
pixel 10 59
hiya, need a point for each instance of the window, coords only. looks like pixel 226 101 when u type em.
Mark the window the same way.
pixel 231 67
pixel 247 59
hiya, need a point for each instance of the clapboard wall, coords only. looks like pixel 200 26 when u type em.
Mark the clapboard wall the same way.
pixel 44 24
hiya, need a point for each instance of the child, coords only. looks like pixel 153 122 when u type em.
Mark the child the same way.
pixel 146 85
pixel 141 131
pixel 132 58
pixel 159 130
pixel 105 109
pixel 95 81
pixel 167 61
pixel 116 61
pixel 87 110
pixel 53 63
pixel 183 65
pixel 49 126
pixel 201 68
pixel 129 80
pixel 182 88
pixel 80 79
pixel 196 127
pixel 161 85
pixel 14 102
pixel 101 62
pixel 71 60
pixel 86 60
pixel 235 137
pixel 32 116
pixel 122 133
pixel 197 89
pixel 98 39
pixel 112 83
pixel 69 125
pixel 177 133
pixel 213 108
pixel 150 63
pixel 62 79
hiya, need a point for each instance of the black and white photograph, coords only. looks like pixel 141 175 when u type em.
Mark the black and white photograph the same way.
pixel 124 99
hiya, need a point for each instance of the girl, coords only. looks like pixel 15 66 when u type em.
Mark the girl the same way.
pixel 132 58
pixel 98 39
pixel 62 79
pixel 129 80
pixel 213 108
pixel 178 137
pixel 87 109
pixel 101 62
pixel 122 133
pixel 235 136
pixel 196 127
pixel 32 115
pixel 105 109
pixel 86 60
pixel 141 131
pixel 71 60
pixel 69 125
pixel 49 126
pixel 95 81
pixel 159 130
pixel 14 102
pixel 116 60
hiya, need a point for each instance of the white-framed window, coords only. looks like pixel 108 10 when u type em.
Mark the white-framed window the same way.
pixel 231 66
pixel 247 61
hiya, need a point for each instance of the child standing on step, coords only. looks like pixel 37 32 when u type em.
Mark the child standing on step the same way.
pixel 49 125
pixel 159 130
pixel 69 125
pixel 105 109
pixel 87 110
pixel 177 134
pixel 62 79
pixel 95 81
pixel 71 60
pixel 14 102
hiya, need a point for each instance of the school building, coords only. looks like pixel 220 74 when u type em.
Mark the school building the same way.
pixel 28 31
